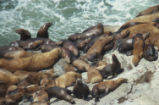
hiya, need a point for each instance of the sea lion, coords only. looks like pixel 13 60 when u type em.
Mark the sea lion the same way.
pixel 82 43
pixel 40 96
pixel 106 86
pixel 81 65
pixel 32 63
pixel 150 10
pixel 92 31
pixel 67 55
pixel 47 47
pixel 3 89
pixel 24 34
pixel 69 67
pixel 108 47
pixel 43 31
pixel 97 48
pixel 125 45
pixel 93 75
pixel 81 90
pixel 71 47
pixel 112 69
pixel 138 49
pixel 67 79
pixel 150 53
pixel 60 93
pixel 47 83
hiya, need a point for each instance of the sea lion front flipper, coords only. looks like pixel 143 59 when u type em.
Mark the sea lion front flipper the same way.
pixel 43 31
pixel 24 34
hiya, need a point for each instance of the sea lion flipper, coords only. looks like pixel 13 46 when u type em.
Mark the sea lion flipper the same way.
pixel 24 34
pixel 43 31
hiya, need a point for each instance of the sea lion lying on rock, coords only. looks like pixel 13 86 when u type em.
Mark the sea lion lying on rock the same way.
pixel 150 53
pixel 150 10
pixel 93 75
pixel 81 90
pixel 67 79
pixel 112 69
pixel 32 63
pixel 60 93
pixel 106 87
pixel 97 48
pixel 138 49
pixel 92 31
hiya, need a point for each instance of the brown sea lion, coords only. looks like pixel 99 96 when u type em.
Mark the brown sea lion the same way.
pixel 40 96
pixel 47 83
pixel 30 89
pixel 67 55
pixel 32 63
pixel 138 49
pixel 47 47
pixel 81 90
pixel 82 43
pixel 150 53
pixel 97 48
pixel 24 34
pixel 60 93
pixel 112 69
pixel 106 86
pixel 3 89
pixel 67 79
pixel 43 31
pixel 69 67
pixel 81 65
pixel 71 47
pixel 92 31
pixel 108 47
pixel 150 10
pixel 93 75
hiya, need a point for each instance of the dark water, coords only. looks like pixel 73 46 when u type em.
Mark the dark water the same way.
pixel 68 16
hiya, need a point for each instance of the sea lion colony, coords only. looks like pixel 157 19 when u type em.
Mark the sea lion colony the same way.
pixel 21 62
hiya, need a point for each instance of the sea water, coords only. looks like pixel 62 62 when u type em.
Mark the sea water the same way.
pixel 67 16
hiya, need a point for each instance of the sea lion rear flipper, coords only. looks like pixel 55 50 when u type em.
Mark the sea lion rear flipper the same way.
pixel 43 31
pixel 24 34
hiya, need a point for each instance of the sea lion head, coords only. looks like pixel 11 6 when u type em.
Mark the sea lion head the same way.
pixel 24 34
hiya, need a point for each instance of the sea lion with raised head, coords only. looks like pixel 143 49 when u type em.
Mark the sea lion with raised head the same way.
pixel 60 93
pixel 43 31
pixel 67 79
pixel 24 34
pixel 106 86
pixel 81 90
pixel 35 62
pixel 112 69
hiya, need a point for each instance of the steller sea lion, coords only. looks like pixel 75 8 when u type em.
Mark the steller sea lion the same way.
pixel 92 31
pixel 67 55
pixel 60 93
pixel 35 62
pixel 81 65
pixel 82 43
pixel 43 31
pixel 81 90
pixel 67 79
pixel 112 69
pixel 138 49
pixel 24 34
pixel 150 53
pixel 97 48
pixel 93 75
pixel 150 10
pixel 106 86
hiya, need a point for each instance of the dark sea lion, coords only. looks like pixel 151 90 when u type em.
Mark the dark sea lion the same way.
pixel 81 90
pixel 112 69
pixel 3 89
pixel 150 10
pixel 106 86
pixel 60 93
pixel 47 47
pixel 138 49
pixel 43 31
pixel 24 34
pixel 108 47
pixel 82 66
pixel 97 48
pixel 67 79
pixel 71 47
pixel 35 62
pixel 82 43
pixel 150 53
pixel 125 45
pixel 91 31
